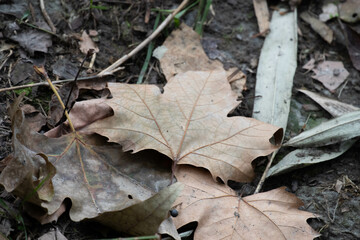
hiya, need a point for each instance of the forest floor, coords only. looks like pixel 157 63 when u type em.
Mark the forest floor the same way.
pixel 228 37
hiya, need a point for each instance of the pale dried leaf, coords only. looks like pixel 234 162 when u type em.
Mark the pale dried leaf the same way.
pixel 82 114
pixel 86 43
pixel 221 214
pixel 262 15
pixel 182 51
pixel 349 11
pixel 310 65
pixel 189 124
pixel 331 74
pixel 334 107
pixel 276 70
pixel 168 227
pixel 53 235
pixel 329 11
pixel 321 28
pixel 42 215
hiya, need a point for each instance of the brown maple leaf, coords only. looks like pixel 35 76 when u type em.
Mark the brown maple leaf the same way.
pixel 221 214
pixel 96 176
pixel 189 124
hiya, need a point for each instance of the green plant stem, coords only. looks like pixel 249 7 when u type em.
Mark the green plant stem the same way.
pixel 202 15
pixel 149 53
pixel 15 216
pixel 36 27
pixel 135 238
pixel 198 15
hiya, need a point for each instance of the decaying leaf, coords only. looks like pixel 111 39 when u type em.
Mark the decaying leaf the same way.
pixel 334 107
pixel 86 43
pixel 34 118
pixel 353 46
pixel 15 8
pixel 53 235
pixel 333 131
pixel 175 57
pixel 331 74
pixel 145 217
pixel 221 214
pixel 41 214
pixel 56 111
pixel 303 157
pixel 349 11
pixel 321 28
pixel 29 172
pixel 95 110
pixel 189 124
pixel 300 158
pixel 32 40
pixel 97 177
pixel 330 11
pixel 262 15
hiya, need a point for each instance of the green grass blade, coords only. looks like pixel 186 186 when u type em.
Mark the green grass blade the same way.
pixel 202 17
pixel 149 53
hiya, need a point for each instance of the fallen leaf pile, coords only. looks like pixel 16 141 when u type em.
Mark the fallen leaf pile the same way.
pixel 188 126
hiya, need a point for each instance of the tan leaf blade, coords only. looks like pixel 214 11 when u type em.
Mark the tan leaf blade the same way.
pixel 223 215
pixel 189 124
pixel 145 217
pixel 95 175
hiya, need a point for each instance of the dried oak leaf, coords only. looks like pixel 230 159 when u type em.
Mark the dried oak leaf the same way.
pixel 96 176
pixel 189 124
pixel 221 214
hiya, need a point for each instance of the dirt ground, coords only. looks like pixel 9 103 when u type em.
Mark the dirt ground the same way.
pixel 228 37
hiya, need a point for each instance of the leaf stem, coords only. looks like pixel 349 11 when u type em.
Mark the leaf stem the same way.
pixel 41 71
pixel 263 177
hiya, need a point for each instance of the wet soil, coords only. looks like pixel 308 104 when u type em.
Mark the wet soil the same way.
pixel 228 37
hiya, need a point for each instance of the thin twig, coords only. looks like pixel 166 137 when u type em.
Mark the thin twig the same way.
pixel 332 219
pixel 41 71
pixel 46 16
pixel 120 61
pixel 263 177
pixel 88 54
pixel 6 59
pixel 54 82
